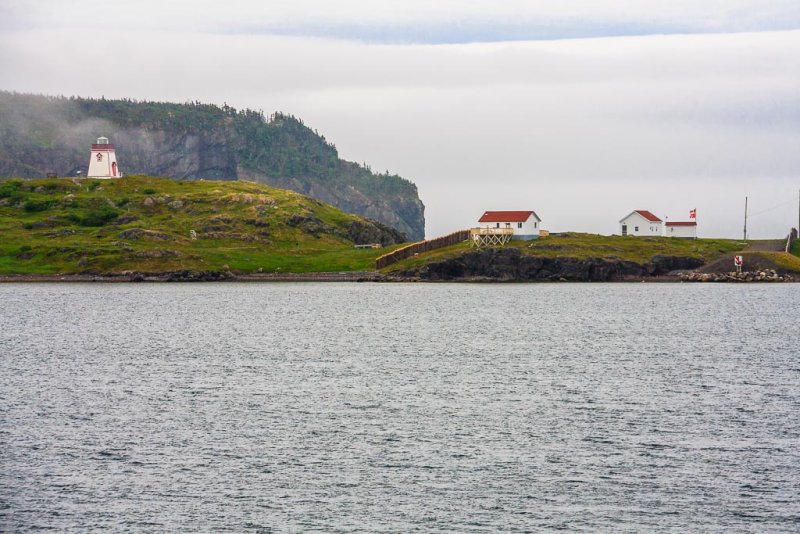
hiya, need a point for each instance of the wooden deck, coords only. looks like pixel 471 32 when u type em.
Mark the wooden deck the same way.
pixel 488 237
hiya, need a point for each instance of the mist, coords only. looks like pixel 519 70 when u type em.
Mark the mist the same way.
pixel 580 130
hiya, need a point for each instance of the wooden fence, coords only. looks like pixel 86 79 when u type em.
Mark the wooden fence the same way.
pixel 421 246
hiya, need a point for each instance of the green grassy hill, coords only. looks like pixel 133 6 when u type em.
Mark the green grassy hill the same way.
pixel 583 246
pixel 146 224
pixel 41 134
pixel 568 248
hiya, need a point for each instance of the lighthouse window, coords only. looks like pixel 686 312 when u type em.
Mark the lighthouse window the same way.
pixel 99 157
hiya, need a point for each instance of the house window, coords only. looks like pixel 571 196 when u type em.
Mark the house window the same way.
pixel 508 225
pixel 519 225
pixel 498 225
pixel 535 224
pixel 635 228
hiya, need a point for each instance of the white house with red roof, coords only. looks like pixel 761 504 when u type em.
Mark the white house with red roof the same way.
pixel 687 229
pixel 640 222
pixel 523 225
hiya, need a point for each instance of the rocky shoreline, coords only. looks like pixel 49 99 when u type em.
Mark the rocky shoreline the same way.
pixel 490 265
pixel 767 275
pixel 196 276
pixel 510 264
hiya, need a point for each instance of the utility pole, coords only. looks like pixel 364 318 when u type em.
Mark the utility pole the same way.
pixel 745 218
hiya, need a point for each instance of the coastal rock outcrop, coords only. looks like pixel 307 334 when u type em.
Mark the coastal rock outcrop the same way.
pixel 359 232
pixel 767 275
pixel 199 276
pixel 510 264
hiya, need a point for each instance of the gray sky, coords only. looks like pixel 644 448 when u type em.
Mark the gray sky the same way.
pixel 582 111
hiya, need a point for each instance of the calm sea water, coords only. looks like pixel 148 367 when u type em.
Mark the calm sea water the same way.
pixel 399 407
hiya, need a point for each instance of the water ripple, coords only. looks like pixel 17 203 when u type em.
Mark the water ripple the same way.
pixel 367 407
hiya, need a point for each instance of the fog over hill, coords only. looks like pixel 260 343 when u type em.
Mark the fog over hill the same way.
pixel 43 134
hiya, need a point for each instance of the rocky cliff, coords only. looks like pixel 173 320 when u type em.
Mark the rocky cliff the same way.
pixel 40 135
pixel 510 264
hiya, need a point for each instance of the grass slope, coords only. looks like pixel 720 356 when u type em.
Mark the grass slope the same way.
pixel 141 223
pixel 581 246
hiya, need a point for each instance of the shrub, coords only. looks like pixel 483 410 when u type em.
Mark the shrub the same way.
pixel 149 191
pixel 99 216
pixel 11 189
pixel 37 205
pixel 93 185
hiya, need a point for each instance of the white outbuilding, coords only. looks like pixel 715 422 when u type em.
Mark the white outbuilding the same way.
pixel 524 225
pixel 687 229
pixel 640 223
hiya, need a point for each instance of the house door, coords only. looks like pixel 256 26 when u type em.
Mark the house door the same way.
pixel 624 229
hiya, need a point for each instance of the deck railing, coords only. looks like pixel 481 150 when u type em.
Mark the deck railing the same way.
pixel 491 231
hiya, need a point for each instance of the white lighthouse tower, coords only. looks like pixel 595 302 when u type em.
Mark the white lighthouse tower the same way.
pixel 103 161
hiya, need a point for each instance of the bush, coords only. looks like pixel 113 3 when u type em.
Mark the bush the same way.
pixel 123 201
pixel 149 191
pixel 93 185
pixel 11 189
pixel 99 216
pixel 37 205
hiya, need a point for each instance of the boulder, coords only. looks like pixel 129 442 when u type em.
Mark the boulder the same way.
pixel 140 233
pixel 309 224
pixel 369 231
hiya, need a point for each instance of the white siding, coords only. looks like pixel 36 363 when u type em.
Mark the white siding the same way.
pixel 530 227
pixel 103 167
pixel 681 231
pixel 639 226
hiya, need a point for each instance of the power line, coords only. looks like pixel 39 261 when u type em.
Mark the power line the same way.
pixel 770 209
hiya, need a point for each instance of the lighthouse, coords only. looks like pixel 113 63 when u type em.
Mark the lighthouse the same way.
pixel 103 161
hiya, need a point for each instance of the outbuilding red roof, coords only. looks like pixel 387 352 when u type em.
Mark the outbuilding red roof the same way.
pixel 506 216
pixel 682 223
pixel 647 215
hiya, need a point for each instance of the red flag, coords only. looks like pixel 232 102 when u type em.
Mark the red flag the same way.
pixel 693 213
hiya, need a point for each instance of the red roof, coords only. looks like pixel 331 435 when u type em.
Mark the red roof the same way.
pixel 686 223
pixel 506 216
pixel 647 215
